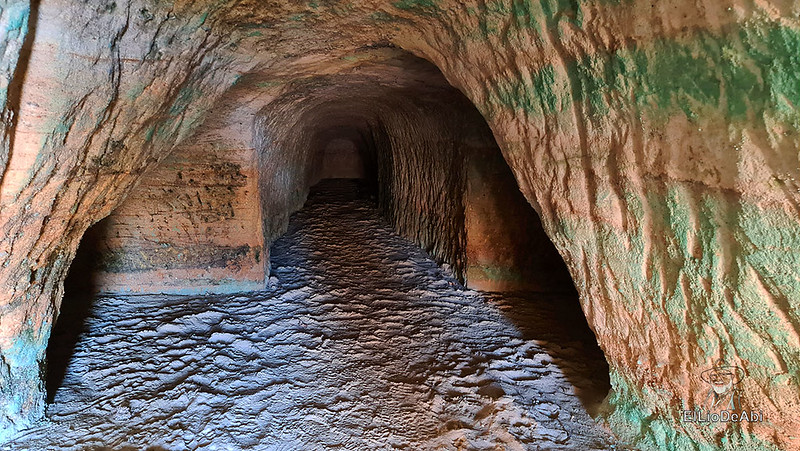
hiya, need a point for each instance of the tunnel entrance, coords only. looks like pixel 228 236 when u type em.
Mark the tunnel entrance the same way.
pixel 379 240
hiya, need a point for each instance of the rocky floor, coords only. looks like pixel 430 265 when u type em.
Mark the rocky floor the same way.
pixel 361 342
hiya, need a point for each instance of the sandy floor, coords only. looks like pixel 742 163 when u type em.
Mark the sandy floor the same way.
pixel 361 342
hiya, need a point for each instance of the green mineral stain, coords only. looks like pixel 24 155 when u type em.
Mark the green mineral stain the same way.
pixel 421 7
pixel 756 71
pixel 588 88
pixel 565 228
pixel 732 271
pixel 22 384
pixel 676 308
pixel 776 49
pixel 185 97
pixel 63 127
pixel 526 13
pixel 16 25
pixel 136 91
pixel 27 348
pixel 535 94
pixel 498 7
pixel 557 10
pixel 751 71
pixel 771 246
pixel 269 84
pixel 492 16
pixel 638 427
pixel 16 15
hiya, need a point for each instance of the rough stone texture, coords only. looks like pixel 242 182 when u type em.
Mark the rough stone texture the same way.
pixel 341 159
pixel 89 118
pixel 413 132
pixel 14 17
pixel 192 224
pixel 506 247
pixel 358 336
pixel 658 142
pixel 661 153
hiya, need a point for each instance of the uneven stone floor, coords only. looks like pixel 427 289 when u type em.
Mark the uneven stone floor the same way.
pixel 361 342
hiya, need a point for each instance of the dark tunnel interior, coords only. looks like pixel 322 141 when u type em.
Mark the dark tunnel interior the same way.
pixel 394 149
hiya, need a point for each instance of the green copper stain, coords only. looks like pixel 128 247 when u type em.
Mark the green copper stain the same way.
pixel 421 7
pixel 750 71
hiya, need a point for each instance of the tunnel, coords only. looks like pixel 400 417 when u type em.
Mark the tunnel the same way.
pixel 413 224
pixel 384 187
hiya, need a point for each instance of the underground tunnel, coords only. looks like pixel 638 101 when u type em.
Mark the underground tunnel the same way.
pixel 339 166
pixel 411 224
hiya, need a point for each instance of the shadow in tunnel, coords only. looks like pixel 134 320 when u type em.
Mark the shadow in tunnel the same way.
pixel 289 249
pixel 327 242
pixel 442 183
pixel 566 337
pixel 80 289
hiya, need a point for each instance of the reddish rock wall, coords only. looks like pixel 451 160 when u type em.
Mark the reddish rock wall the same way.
pixel 191 225
pixel 506 246
pixel 102 93
pixel 341 159
pixel 657 141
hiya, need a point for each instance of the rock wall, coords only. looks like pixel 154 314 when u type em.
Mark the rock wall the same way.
pixel 659 144
pixel 341 159
pixel 506 246
pixel 100 93
pixel 421 182
pixel 657 141
pixel 191 225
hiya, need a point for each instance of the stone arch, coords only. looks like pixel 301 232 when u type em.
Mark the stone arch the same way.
pixel 658 147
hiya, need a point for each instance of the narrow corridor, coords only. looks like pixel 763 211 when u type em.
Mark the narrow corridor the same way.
pixel 360 342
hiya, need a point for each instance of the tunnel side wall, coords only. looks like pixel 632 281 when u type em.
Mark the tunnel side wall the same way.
pixel 98 98
pixel 421 179
pixel 286 167
pixel 506 246
pixel 444 184
pixel 658 141
pixel 191 225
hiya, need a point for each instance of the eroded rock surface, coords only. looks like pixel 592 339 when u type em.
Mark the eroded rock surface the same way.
pixel 362 342
pixel 657 141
